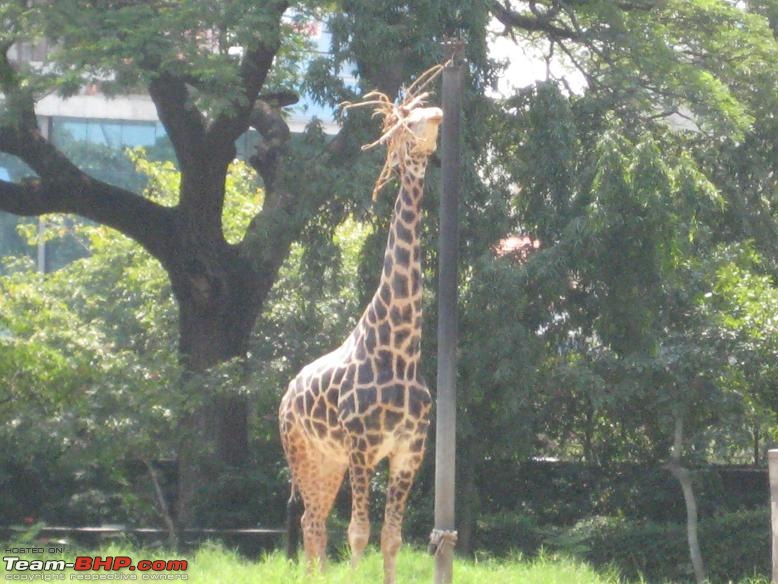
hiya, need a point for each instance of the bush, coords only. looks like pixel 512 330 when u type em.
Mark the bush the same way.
pixel 734 546
pixel 562 493
pixel 658 551
pixel 737 544
pixel 509 532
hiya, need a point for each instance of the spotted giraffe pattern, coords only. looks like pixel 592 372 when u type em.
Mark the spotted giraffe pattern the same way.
pixel 366 401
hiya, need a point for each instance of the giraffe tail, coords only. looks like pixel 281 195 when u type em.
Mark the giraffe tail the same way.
pixel 294 512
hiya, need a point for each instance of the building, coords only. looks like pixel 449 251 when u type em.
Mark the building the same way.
pixel 95 130
pixel 129 121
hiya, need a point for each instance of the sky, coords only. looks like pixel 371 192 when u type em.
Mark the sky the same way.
pixel 526 64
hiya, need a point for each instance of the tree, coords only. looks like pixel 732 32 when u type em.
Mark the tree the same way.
pixel 90 363
pixel 90 377
pixel 626 211
pixel 188 57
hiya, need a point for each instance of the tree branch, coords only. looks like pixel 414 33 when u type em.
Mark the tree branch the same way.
pixel 548 15
pixel 539 22
pixel 590 79
pixel 62 187
pixel 17 99
pixel 254 69
pixel 285 211
pixel 625 5
pixel 270 124
pixel 203 166
pixel 547 22
pixel 144 221
pixel 184 123
pixel 164 508
pixel 228 127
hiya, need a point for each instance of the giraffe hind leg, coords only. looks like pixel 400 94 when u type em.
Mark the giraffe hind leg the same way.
pixel 318 481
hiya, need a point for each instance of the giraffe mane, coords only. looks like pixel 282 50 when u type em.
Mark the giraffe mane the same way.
pixel 395 118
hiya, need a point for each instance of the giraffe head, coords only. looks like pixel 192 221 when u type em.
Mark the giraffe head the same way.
pixel 419 133
pixel 410 128
pixel 410 132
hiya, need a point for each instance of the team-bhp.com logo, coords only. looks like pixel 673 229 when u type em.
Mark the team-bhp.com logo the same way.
pixel 94 568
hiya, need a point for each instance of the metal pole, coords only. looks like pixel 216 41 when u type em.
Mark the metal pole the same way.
pixel 443 537
pixel 41 262
pixel 772 465
pixel 45 128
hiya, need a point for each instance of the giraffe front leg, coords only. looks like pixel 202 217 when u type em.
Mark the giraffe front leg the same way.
pixel 402 470
pixel 359 526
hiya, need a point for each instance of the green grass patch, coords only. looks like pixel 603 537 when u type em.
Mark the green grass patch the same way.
pixel 412 566
pixel 213 564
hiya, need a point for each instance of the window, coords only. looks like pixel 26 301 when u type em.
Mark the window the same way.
pixel 138 134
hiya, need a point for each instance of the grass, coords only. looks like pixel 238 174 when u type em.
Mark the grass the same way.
pixel 412 567
pixel 214 564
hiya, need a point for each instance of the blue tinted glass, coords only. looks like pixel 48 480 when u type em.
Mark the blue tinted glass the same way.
pixel 94 134
pixel 138 134
pixel 11 168
pixel 252 139
pixel 65 130
pixel 111 133
pixel 310 109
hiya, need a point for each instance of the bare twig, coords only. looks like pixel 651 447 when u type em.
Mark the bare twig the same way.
pixel 593 82
pixel 162 504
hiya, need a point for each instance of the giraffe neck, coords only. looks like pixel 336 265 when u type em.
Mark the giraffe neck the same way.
pixel 396 304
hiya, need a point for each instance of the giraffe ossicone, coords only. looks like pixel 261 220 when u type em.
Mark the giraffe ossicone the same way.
pixel 366 400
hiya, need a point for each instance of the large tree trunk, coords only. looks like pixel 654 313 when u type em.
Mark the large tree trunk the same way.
pixel 219 296
pixel 220 293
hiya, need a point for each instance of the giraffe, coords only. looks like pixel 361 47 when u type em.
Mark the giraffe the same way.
pixel 365 401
